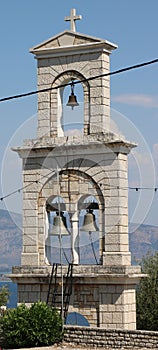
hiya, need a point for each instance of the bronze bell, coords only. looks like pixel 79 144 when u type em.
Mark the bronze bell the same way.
pixel 89 224
pixel 72 102
pixel 59 226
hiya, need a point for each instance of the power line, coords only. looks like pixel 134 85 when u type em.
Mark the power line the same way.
pixel 69 84
pixel 155 189
pixel 53 172
pixel 136 66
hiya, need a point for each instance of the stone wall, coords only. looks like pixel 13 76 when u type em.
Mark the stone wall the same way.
pixel 101 337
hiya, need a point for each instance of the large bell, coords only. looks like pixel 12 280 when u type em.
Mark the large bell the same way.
pixel 89 223
pixel 72 102
pixel 59 227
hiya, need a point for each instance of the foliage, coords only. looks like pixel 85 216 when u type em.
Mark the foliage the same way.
pixel 39 325
pixel 147 295
pixel 4 295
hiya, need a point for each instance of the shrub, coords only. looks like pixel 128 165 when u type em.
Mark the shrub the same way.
pixel 4 295
pixel 147 295
pixel 39 325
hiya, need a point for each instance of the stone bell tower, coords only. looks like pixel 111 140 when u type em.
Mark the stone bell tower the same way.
pixel 66 175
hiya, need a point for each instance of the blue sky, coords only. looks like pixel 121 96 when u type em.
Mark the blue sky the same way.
pixel 132 25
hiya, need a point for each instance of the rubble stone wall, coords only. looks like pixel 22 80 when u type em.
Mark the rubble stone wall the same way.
pixel 100 337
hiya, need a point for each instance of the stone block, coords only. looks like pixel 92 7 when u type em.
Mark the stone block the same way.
pixel 30 221
pixel 23 297
pixel 121 308
pixel 30 249
pixel 113 238
pixel 29 204
pixel 129 317
pixel 105 65
pixel 103 308
pixel 45 79
pixel 97 92
pixel 44 97
pixel 96 110
pixel 29 177
pixel 29 213
pixel 112 308
pixel 112 220
pixel 115 259
pixel 129 297
pixel 33 297
pixel 43 296
pixel 43 63
pixel 117 201
pixel 21 288
pixel 117 317
pixel 116 248
pixel 123 174
pixel 107 318
pixel 43 105
pixel 30 259
pixel 45 125
pixel 119 183
pixel 30 232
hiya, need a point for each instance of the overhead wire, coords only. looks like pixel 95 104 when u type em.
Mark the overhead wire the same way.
pixel 118 71
pixel 136 66
pixel 155 189
pixel 53 172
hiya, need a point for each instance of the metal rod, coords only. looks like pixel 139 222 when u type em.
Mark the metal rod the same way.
pixel 60 240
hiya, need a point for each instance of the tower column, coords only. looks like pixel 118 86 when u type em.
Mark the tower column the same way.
pixel 74 239
pixel 116 212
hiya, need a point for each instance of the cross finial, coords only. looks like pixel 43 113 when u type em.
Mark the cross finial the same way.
pixel 72 18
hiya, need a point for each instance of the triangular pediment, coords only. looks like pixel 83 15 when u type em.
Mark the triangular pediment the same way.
pixel 69 38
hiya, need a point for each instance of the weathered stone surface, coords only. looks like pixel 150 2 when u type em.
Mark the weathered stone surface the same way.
pixel 106 338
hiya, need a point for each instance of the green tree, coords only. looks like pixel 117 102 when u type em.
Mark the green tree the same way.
pixel 39 325
pixel 147 295
pixel 4 295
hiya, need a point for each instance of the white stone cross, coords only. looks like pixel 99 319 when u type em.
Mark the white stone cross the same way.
pixel 72 18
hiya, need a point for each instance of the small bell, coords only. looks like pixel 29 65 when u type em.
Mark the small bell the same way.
pixel 89 223
pixel 72 102
pixel 59 226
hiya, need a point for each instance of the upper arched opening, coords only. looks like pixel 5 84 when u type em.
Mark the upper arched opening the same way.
pixel 70 121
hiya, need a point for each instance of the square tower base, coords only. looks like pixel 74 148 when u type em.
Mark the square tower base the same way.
pixel 104 295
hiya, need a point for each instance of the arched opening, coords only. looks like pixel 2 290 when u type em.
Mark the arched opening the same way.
pixel 72 120
pixel 76 319
pixel 58 230
pixel 79 245
pixel 63 119
pixel 89 230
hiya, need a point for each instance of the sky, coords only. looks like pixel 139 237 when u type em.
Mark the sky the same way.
pixel 132 25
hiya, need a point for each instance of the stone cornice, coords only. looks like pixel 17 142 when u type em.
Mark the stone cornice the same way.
pixel 98 143
pixel 71 50
pixel 42 49
pixel 92 274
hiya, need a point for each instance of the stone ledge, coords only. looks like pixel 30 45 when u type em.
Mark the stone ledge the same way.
pixel 81 270
pixel 107 138
pixel 81 273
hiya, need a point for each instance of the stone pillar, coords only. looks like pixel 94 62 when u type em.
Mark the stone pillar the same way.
pixel 116 216
pixel 74 239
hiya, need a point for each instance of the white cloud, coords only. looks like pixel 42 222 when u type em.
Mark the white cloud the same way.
pixel 137 99
pixel 73 132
